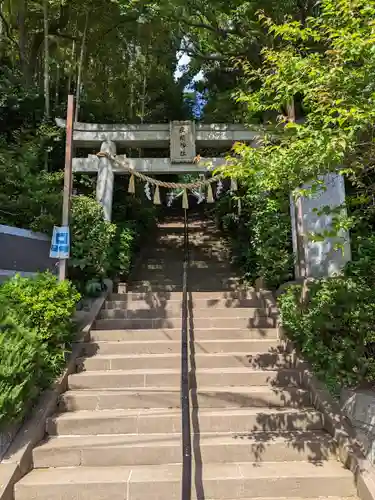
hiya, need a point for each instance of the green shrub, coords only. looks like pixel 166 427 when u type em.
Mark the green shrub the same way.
pixel 260 237
pixel 101 249
pixel 363 266
pixel 44 304
pixel 335 326
pixel 137 213
pixel 36 328
pixel 270 230
pixel 92 239
pixel 135 220
pixel 123 250
pixel 22 359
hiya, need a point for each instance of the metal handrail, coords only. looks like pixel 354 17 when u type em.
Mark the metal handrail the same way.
pixel 185 403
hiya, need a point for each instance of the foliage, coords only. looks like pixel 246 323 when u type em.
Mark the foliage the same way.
pixel 260 237
pixel 135 220
pixel 36 329
pixel 123 249
pixel 129 58
pixel 214 34
pixel 30 197
pixel 21 107
pixel 334 328
pixel 322 68
pixel 137 208
pixel 363 266
pixel 127 75
pixel 44 304
pixel 326 65
pixel 22 357
pixel 92 239
pixel 30 156
pixel 102 249
pixel 270 236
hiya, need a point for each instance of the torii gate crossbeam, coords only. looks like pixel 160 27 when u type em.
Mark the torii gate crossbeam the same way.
pixel 183 138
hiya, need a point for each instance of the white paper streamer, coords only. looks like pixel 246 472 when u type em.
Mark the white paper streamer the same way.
pixel 148 191
pixel 219 188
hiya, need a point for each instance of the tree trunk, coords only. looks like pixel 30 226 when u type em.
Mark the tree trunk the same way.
pixel 80 67
pixel 143 98
pixel 144 89
pixel 23 40
pixel 131 78
pixel 47 111
pixel 57 87
pixel 1 21
pixel 291 110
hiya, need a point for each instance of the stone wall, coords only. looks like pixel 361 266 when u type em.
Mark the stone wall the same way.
pixel 359 407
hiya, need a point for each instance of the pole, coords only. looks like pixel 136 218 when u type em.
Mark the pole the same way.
pixel 68 177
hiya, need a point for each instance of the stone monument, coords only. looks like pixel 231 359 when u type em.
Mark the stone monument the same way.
pixel 315 259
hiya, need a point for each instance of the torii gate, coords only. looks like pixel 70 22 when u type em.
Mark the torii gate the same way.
pixel 184 139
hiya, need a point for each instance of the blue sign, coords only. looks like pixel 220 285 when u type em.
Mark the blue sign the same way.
pixel 60 244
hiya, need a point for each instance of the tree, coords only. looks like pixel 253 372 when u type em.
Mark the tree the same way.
pixel 327 64
pixel 120 65
pixel 46 61
pixel 217 33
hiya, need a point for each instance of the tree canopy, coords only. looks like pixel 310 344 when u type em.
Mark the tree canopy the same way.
pixel 249 61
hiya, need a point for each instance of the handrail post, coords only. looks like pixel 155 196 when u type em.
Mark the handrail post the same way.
pixel 185 403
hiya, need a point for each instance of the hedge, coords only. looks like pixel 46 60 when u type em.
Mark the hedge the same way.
pixel 36 330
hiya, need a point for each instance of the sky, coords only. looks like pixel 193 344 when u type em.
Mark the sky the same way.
pixel 184 61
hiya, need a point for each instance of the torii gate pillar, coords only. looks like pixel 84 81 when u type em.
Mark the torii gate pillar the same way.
pixel 105 180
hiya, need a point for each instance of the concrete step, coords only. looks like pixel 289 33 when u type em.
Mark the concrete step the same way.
pixel 175 251
pixel 196 277
pixel 217 481
pixel 200 334
pixel 241 376
pixel 174 271
pixel 230 280
pixel 158 449
pixel 176 255
pixel 247 346
pixel 198 241
pixel 169 397
pixel 212 276
pixel 160 313
pixel 194 286
pixel 173 361
pixel 166 420
pixel 160 303
pixel 130 296
pixel 196 223
pixel 194 228
pixel 140 323
pixel 161 264
pixel 150 297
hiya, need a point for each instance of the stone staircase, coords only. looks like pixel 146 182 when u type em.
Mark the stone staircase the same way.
pixel 117 435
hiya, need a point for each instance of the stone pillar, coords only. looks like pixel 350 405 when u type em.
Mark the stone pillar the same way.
pixel 318 259
pixel 105 180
